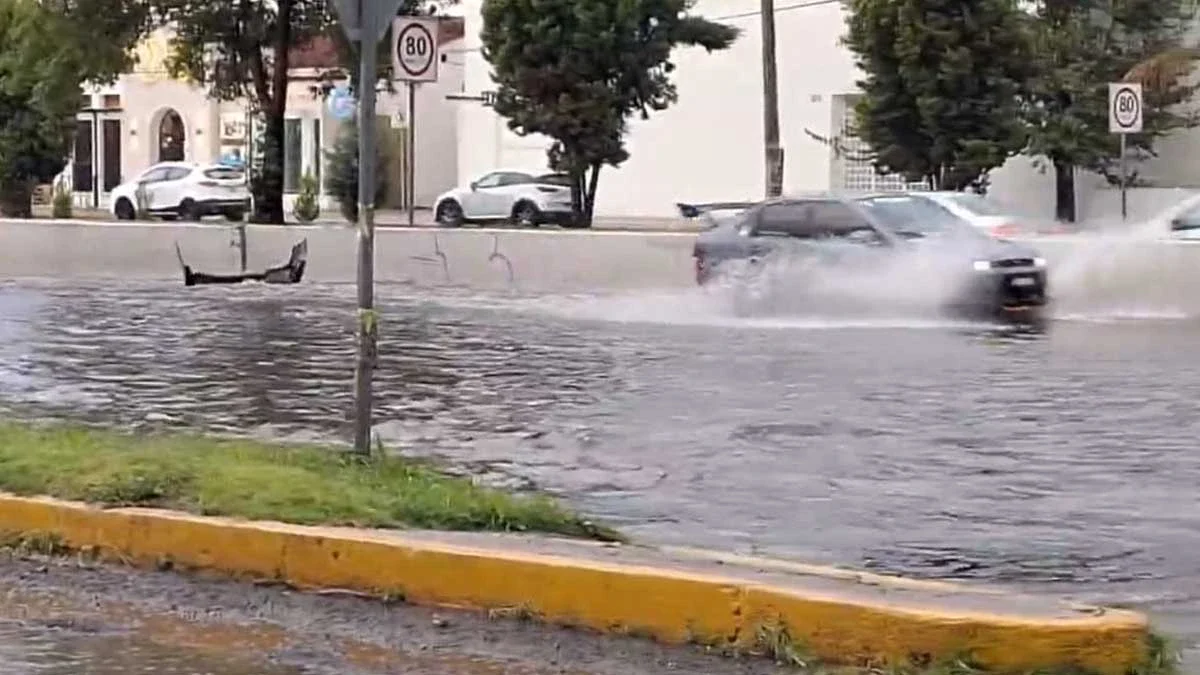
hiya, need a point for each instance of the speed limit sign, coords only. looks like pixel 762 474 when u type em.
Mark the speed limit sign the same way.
pixel 415 49
pixel 1125 108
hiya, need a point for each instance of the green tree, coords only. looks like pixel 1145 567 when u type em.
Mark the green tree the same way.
pixel 941 93
pixel 39 97
pixel 576 70
pixel 241 49
pixel 342 181
pixel 1080 47
pixel 104 31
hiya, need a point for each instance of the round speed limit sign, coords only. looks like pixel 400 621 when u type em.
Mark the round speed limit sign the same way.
pixel 415 50
pixel 1125 108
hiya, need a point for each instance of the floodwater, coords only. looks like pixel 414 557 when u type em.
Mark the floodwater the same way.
pixel 1060 457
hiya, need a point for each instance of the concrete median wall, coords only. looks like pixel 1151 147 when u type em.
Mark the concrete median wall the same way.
pixel 1083 269
pixel 472 257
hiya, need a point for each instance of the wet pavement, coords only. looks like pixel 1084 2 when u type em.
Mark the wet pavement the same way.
pixel 67 617
pixel 1059 459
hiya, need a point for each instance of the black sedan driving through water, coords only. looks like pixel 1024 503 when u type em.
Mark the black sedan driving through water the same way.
pixel 900 242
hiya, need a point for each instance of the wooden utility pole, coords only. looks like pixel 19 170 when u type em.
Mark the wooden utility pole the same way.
pixel 773 152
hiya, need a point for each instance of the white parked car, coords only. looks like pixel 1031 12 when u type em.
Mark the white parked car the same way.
pixel 523 198
pixel 983 213
pixel 184 190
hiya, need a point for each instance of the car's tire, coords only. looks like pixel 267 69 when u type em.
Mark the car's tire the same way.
pixel 124 210
pixel 235 215
pixel 525 214
pixel 188 211
pixel 449 213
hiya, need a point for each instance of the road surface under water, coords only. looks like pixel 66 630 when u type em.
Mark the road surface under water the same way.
pixel 1060 458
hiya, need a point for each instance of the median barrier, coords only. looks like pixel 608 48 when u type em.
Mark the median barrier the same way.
pixel 1083 269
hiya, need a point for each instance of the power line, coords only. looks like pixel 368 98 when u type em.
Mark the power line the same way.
pixel 783 8
pixel 728 17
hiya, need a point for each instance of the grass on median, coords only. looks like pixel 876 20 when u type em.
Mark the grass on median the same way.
pixel 255 480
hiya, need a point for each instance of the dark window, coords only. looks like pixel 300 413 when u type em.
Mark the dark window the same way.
pixel 833 219
pixel 112 153
pixel 555 179
pixel 293 156
pixel 81 167
pixel 154 175
pixel 223 173
pixel 316 152
pixel 514 178
pixel 788 219
pixel 177 173
pixel 489 181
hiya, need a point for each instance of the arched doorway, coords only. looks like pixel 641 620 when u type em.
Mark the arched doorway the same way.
pixel 172 138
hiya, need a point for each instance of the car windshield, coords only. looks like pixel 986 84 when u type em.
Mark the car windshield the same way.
pixel 976 204
pixel 915 217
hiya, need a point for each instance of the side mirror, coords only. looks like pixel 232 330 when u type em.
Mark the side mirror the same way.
pixel 474 185
pixel 1179 224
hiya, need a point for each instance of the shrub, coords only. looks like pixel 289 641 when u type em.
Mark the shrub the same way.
pixel 62 203
pixel 307 207
pixel 342 182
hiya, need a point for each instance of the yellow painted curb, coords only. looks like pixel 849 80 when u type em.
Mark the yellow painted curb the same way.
pixel 632 590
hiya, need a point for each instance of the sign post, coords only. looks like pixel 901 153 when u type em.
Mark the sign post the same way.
pixel 414 60
pixel 1124 118
pixel 366 22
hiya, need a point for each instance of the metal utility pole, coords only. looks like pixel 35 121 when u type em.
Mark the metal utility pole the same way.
pixel 365 22
pixel 367 318
pixel 773 153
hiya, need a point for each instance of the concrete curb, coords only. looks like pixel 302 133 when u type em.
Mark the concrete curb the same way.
pixel 675 596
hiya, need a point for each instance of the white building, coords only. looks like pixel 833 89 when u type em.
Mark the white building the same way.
pixel 147 117
pixel 708 147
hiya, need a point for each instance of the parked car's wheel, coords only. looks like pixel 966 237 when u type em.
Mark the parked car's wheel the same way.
pixel 124 209
pixel 235 215
pixel 449 214
pixel 525 214
pixel 188 210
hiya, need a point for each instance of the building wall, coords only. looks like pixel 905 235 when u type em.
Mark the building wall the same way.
pixel 708 146
pixel 147 93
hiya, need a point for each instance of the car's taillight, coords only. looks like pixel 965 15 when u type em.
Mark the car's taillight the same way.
pixel 1006 230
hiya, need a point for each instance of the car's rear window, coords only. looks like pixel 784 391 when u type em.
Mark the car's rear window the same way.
pixel 224 173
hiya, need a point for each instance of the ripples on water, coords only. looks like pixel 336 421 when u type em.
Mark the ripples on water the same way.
pixel 1063 460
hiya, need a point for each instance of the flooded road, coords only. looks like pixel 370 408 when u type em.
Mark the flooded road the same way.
pixel 1060 459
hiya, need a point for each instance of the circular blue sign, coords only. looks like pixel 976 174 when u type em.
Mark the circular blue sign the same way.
pixel 341 103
